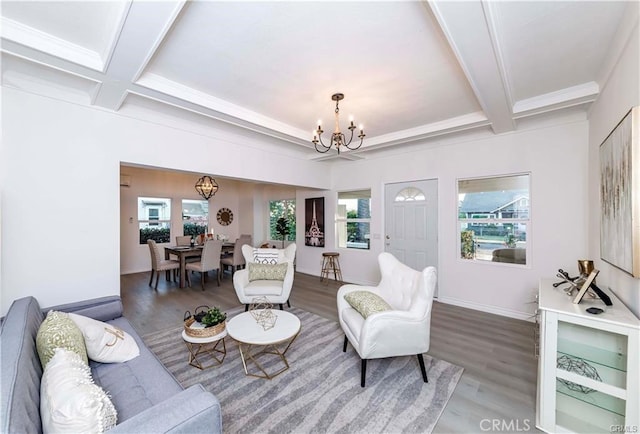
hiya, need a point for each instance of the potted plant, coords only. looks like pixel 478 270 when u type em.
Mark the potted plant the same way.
pixel 213 317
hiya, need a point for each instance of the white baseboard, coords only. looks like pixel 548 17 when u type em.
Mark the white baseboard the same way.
pixel 526 316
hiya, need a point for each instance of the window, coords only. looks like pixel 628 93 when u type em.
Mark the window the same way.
pixel 409 194
pixel 195 216
pixel 493 215
pixel 154 219
pixel 282 209
pixel 354 219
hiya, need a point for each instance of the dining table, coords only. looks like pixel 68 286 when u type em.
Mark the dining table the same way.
pixel 184 252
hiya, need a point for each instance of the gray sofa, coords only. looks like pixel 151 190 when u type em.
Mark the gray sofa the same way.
pixel 147 397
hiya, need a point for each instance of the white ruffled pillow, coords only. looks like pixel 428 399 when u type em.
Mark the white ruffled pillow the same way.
pixel 105 343
pixel 70 402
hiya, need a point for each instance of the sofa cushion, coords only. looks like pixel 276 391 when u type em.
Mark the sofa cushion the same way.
pixel 267 271
pixel 70 402
pixel 366 302
pixel 58 331
pixel 21 368
pixel 138 384
pixel 105 343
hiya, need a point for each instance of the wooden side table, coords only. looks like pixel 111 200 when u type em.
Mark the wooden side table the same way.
pixel 209 345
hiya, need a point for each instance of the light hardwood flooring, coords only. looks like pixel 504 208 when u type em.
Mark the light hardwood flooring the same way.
pixel 499 381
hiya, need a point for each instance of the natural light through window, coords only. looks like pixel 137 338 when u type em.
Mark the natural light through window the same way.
pixel 493 216
pixel 154 219
pixel 353 219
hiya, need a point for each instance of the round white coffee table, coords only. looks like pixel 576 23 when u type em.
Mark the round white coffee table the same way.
pixel 209 345
pixel 276 340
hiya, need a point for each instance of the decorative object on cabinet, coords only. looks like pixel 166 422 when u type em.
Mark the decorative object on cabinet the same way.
pixel 619 200
pixel 609 342
pixel 582 368
pixel 585 286
pixel 224 216
pixel 314 222
pixel 206 187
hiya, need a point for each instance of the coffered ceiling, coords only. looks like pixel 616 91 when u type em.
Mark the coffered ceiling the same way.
pixel 409 70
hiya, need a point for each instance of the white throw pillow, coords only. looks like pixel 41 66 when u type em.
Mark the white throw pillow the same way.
pixel 105 343
pixel 265 256
pixel 70 402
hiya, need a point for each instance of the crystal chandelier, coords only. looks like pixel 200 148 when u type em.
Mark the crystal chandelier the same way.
pixel 207 187
pixel 338 139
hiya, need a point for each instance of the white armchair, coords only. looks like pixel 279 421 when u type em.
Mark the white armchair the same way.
pixel 277 291
pixel 405 329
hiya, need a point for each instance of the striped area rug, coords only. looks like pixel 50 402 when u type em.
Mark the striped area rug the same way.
pixel 321 392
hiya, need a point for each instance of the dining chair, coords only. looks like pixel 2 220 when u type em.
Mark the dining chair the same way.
pixel 183 240
pixel 158 263
pixel 236 260
pixel 210 260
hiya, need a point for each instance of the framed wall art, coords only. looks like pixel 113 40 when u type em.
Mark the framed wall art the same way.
pixel 314 222
pixel 620 195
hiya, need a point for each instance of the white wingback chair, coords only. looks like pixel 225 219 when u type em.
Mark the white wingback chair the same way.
pixel 277 291
pixel 405 329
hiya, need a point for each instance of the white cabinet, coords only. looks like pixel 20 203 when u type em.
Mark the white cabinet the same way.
pixel 588 369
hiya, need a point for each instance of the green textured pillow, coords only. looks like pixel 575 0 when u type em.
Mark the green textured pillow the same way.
pixel 59 331
pixel 266 271
pixel 366 302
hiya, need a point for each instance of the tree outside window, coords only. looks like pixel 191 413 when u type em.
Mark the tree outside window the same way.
pixel 282 209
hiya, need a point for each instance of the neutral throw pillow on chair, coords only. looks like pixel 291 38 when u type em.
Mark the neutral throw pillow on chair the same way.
pixel 105 343
pixel 266 271
pixel 366 302
pixel 265 256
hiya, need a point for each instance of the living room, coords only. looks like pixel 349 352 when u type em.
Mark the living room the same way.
pixel 63 155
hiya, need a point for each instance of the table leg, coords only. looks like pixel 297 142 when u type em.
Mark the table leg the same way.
pixel 167 274
pixel 183 272
pixel 273 349
pixel 197 349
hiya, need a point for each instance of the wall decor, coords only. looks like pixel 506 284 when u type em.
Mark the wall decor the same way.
pixel 314 222
pixel 224 216
pixel 620 195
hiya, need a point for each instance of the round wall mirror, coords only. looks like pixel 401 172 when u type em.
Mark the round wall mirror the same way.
pixel 224 216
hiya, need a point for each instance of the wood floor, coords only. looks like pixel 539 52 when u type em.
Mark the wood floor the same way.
pixel 499 381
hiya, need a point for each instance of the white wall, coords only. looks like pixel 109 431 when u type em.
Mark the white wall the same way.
pixel 555 155
pixel 60 170
pixel 620 93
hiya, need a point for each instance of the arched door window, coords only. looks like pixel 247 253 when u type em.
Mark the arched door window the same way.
pixel 410 194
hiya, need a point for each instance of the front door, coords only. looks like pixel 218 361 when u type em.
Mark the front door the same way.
pixel 411 222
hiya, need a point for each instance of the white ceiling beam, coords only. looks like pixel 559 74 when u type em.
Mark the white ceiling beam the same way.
pixel 145 27
pixel 468 28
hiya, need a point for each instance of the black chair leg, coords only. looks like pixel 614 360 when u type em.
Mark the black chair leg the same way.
pixel 246 307
pixel 202 279
pixel 151 278
pixel 364 372
pixel 344 347
pixel 424 371
pixel 157 279
pixel 281 306
pixel 288 304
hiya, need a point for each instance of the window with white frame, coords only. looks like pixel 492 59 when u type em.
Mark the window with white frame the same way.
pixel 494 217
pixel 195 217
pixel 353 220
pixel 154 219
pixel 282 219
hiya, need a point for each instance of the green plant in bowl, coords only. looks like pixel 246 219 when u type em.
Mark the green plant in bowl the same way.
pixel 213 317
